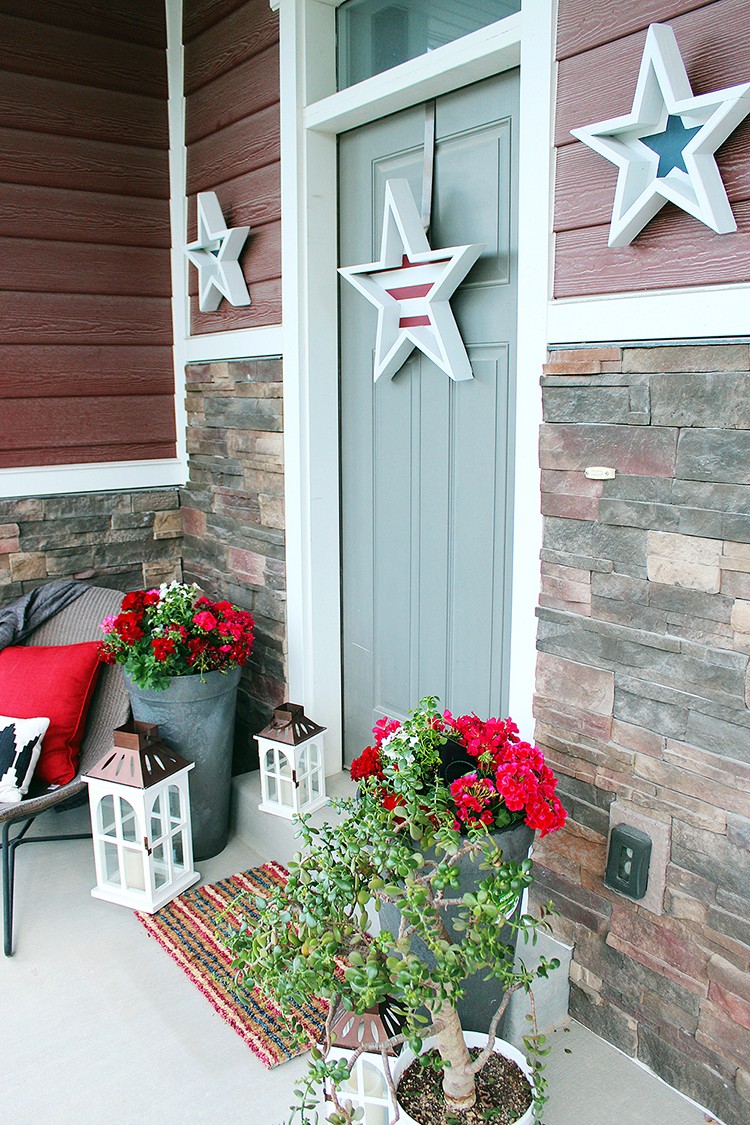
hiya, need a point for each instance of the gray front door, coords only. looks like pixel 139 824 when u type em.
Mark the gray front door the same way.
pixel 426 461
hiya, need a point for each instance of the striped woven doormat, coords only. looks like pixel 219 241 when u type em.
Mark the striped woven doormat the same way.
pixel 189 931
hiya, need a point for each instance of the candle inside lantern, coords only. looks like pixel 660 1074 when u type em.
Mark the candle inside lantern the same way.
pixel 133 865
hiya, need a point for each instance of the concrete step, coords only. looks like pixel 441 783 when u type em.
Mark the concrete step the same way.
pixel 270 835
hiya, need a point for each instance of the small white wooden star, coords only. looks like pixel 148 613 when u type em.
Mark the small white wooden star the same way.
pixel 411 286
pixel 665 146
pixel 215 255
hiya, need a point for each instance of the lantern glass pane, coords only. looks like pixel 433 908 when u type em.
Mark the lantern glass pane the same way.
pixel 159 865
pixel 368 1089
pixel 373 1081
pixel 315 785
pixel 286 796
pixel 304 790
pixel 285 766
pixel 107 815
pixel 175 805
pixel 157 824
pixel 178 850
pixel 273 789
pixel 111 863
pixel 129 823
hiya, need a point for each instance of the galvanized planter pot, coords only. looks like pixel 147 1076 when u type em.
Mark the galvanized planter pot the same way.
pixel 482 997
pixel 195 716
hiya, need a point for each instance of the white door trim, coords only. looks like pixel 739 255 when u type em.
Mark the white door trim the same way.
pixel 312 115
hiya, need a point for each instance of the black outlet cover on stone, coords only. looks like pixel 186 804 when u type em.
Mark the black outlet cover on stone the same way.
pixel 628 861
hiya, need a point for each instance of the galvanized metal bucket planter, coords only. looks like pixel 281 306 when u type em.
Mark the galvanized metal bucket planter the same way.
pixel 195 716
pixel 482 997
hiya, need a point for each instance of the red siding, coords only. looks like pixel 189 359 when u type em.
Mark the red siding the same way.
pixel 86 369
pixel 599 48
pixel 232 136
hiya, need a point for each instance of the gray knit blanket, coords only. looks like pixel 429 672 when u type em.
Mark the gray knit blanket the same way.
pixel 19 619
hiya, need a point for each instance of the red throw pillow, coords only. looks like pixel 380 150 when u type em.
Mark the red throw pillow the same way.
pixel 56 681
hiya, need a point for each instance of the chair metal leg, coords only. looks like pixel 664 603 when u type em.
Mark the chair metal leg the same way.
pixel 9 870
pixel 7 892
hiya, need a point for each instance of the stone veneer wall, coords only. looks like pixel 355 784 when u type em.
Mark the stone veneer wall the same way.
pixel 125 540
pixel 233 518
pixel 643 695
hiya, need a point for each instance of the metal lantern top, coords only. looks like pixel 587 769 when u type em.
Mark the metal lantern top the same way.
pixel 377 1025
pixel 139 759
pixel 290 726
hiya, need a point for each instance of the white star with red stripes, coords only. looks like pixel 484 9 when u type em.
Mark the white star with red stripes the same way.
pixel 411 286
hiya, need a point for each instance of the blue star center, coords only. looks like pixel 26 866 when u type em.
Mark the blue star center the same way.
pixel 669 145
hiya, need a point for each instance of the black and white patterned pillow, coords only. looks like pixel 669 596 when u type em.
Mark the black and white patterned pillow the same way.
pixel 20 747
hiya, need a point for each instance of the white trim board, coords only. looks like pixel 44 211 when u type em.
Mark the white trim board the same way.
pixel 714 313
pixel 311 118
pixel 243 343
pixel 479 55
pixel 177 214
pixel 106 476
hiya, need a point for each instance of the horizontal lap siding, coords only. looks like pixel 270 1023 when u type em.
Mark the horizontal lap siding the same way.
pixel 599 52
pixel 232 137
pixel 86 371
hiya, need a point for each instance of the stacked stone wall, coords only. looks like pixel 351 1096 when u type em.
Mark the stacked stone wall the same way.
pixel 643 698
pixel 125 540
pixel 233 518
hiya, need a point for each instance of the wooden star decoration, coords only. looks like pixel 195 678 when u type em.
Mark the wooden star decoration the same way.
pixel 215 255
pixel 411 286
pixel 665 146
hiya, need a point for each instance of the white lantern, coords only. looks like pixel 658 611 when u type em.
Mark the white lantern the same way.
pixel 292 766
pixel 140 821
pixel 367 1085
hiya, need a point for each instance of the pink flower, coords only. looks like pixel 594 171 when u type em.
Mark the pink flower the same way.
pixel 108 623
pixel 205 620
pixel 383 728
pixel 472 796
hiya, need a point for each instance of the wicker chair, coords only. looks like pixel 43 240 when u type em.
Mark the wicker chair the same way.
pixel 109 708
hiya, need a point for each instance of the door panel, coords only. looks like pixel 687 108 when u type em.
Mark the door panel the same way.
pixel 425 474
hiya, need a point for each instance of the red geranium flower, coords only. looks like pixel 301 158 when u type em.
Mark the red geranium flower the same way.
pixel 366 765
pixel 134 600
pixel 163 647
pixel 128 627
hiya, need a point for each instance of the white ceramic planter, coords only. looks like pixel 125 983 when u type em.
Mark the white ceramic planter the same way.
pixel 473 1039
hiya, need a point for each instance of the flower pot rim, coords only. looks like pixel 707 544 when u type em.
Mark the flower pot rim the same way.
pixel 223 679
pixel 472 1039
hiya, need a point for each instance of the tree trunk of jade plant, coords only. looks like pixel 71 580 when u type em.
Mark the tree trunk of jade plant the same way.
pixel 459 1085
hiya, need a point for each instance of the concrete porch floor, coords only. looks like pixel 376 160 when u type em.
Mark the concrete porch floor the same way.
pixel 99 1024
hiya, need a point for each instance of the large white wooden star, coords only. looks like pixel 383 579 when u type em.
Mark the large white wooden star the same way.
pixel 665 146
pixel 411 286
pixel 214 253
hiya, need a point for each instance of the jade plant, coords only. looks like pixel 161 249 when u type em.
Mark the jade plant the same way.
pixel 313 937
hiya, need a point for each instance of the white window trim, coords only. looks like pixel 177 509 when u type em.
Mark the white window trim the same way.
pixel 115 476
pixel 311 117
pixel 202 347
